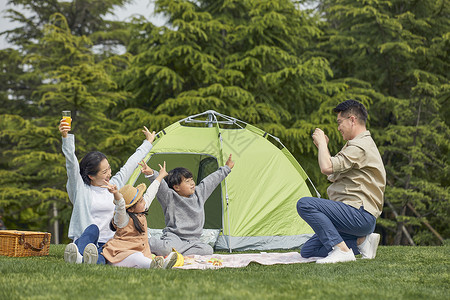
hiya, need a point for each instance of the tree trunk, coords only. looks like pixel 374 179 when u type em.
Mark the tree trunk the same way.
pixel 403 229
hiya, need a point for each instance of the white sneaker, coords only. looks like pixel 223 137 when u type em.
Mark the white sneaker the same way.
pixel 157 262
pixel 71 254
pixel 337 255
pixel 90 254
pixel 170 260
pixel 368 248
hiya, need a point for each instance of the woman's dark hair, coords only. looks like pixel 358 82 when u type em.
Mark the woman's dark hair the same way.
pixel 90 165
pixel 352 107
pixel 175 176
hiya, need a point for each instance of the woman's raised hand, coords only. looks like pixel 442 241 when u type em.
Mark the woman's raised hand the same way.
pixel 64 128
pixel 150 136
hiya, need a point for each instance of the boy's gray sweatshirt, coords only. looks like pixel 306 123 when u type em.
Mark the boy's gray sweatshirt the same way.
pixel 185 216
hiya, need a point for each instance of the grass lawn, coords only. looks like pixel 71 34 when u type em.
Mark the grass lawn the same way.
pixel 396 273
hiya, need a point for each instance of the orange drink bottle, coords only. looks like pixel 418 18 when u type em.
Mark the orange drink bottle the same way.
pixel 67 117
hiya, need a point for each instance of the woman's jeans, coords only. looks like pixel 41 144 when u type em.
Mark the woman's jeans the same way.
pixel 90 235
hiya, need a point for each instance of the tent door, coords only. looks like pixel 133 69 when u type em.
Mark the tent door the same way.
pixel 213 206
pixel 200 165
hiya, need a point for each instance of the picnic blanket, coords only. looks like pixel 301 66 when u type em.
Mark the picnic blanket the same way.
pixel 217 261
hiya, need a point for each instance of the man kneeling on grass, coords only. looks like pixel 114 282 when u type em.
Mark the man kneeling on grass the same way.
pixel 344 225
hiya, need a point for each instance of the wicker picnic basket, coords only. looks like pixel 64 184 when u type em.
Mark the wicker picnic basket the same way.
pixel 24 243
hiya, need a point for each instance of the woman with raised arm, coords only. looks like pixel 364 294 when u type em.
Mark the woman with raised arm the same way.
pixel 93 206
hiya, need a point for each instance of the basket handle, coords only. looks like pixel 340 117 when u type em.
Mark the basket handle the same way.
pixel 27 245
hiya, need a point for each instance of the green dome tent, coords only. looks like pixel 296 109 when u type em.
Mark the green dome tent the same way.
pixel 255 206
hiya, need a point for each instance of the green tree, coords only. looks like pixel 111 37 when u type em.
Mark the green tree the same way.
pixel 254 60
pixel 52 67
pixel 18 84
pixel 34 176
pixel 84 18
pixel 400 48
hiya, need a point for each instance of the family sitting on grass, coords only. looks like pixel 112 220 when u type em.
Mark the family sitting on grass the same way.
pixel 103 204
pixel 109 225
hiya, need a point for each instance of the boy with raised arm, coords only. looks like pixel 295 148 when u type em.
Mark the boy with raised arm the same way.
pixel 183 207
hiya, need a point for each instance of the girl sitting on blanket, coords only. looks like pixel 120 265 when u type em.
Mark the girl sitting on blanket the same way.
pixel 129 247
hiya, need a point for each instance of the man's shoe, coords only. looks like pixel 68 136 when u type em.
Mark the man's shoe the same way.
pixel 90 254
pixel 170 260
pixel 71 254
pixel 368 248
pixel 337 255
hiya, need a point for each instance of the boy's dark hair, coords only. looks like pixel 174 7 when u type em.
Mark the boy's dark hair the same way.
pixel 90 165
pixel 352 107
pixel 174 176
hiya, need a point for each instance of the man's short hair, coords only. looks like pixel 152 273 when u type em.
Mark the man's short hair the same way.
pixel 175 176
pixel 352 107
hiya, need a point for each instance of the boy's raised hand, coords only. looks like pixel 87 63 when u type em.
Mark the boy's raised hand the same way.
pixel 162 170
pixel 146 170
pixel 229 162
pixel 149 136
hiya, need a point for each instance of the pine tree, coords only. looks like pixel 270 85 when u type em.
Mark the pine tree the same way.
pixel 34 177
pixel 84 17
pixel 399 48
pixel 51 69
pixel 253 60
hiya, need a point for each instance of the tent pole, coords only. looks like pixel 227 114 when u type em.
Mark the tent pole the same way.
pixel 228 213
pixel 318 195
pixel 211 115
pixel 226 196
